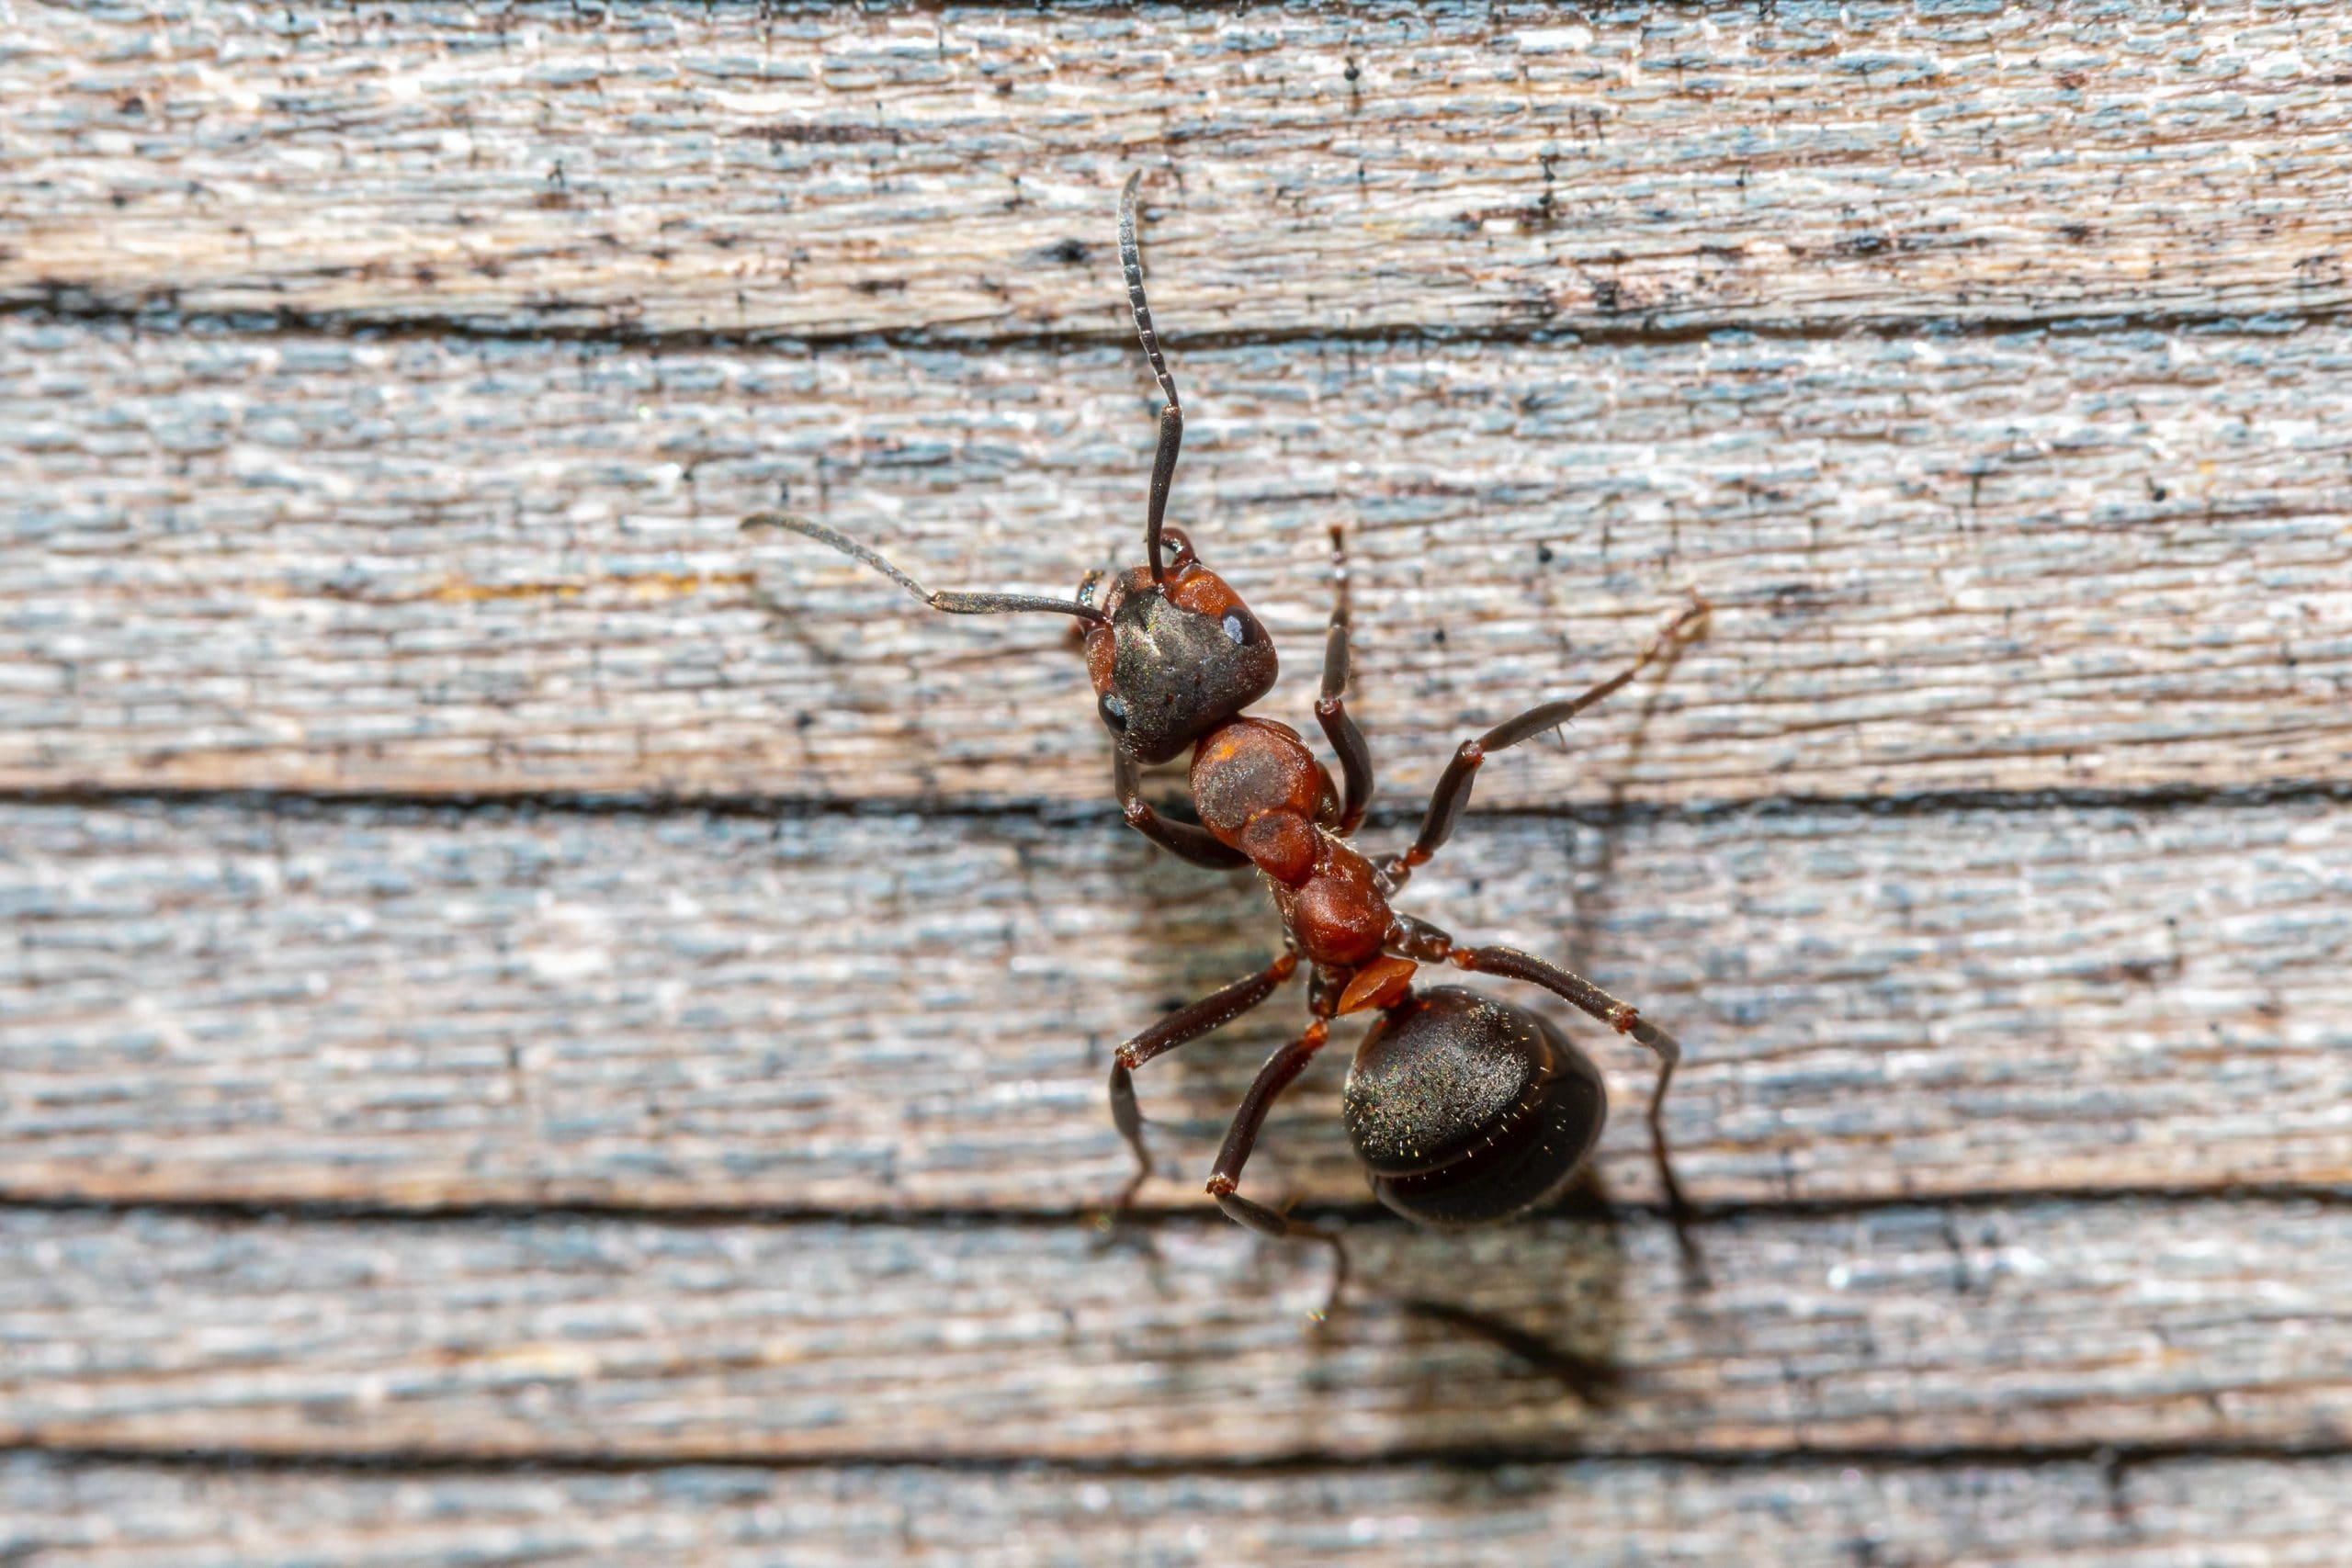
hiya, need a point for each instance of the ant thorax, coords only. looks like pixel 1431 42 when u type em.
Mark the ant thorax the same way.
pixel 1258 788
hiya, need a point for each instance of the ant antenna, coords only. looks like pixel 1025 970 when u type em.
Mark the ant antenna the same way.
pixel 1172 418
pixel 953 603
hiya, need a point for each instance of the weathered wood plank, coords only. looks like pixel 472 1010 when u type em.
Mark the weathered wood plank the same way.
pixel 2120 561
pixel 830 171
pixel 2054 1325
pixel 63 1514
pixel 1987 558
pixel 398 1007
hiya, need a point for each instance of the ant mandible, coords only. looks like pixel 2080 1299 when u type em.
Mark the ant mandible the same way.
pixel 1463 1108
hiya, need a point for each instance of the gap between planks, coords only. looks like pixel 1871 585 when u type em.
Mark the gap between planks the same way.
pixel 1392 820
pixel 2110 1459
pixel 1582 1202
pixel 68 303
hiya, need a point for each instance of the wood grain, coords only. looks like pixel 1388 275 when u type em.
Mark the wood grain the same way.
pixel 2120 561
pixel 399 1007
pixel 2049 1326
pixel 1465 168
pixel 62 1514
pixel 378 388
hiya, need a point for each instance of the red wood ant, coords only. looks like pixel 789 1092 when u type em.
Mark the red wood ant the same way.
pixel 1463 1108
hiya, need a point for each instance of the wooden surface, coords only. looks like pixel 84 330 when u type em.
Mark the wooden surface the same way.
pixel 2032 560
pixel 397 1007
pixel 651 169
pixel 2052 1325
pixel 533 1032
pixel 2076 1514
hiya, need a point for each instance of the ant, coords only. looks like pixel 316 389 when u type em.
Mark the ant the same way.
pixel 1463 1108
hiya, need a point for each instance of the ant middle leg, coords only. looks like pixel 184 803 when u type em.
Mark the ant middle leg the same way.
pixel 1211 1011
pixel 1281 1069
pixel 1186 840
pixel 1331 709
pixel 1452 792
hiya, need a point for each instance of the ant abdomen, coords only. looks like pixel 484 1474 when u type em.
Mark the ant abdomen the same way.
pixel 1465 1108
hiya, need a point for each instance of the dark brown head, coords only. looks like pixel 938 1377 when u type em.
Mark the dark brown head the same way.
pixel 1465 1108
pixel 1176 657
pixel 1172 649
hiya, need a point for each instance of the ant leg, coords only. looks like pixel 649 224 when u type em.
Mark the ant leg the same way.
pixel 1453 791
pixel 1281 1068
pixel 1331 708
pixel 1185 841
pixel 1185 1023
pixel 1625 1018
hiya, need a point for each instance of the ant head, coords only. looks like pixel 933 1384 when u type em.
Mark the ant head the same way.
pixel 1175 658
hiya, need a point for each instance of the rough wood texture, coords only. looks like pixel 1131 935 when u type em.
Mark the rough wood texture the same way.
pixel 407 1007
pixel 2069 1514
pixel 735 170
pixel 2119 561
pixel 1986 366
pixel 2046 1325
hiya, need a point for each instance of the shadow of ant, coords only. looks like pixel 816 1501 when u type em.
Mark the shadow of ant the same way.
pixel 1586 1316
pixel 1548 1292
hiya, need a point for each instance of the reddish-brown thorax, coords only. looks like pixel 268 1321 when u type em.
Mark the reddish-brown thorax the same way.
pixel 1261 791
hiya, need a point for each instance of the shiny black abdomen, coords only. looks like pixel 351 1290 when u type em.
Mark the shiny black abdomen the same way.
pixel 1466 1109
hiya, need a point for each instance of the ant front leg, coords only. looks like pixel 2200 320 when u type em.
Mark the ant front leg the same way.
pixel 1185 841
pixel 1625 1018
pixel 1281 1069
pixel 1331 709
pixel 1185 1023
pixel 1453 791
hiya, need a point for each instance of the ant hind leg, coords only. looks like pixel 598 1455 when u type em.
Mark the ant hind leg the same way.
pixel 1627 1019
pixel 1281 1069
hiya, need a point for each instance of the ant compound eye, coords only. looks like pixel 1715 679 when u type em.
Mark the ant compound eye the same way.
pixel 1114 711
pixel 1237 630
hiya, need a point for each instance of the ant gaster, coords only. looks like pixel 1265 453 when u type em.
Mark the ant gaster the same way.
pixel 1462 1107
